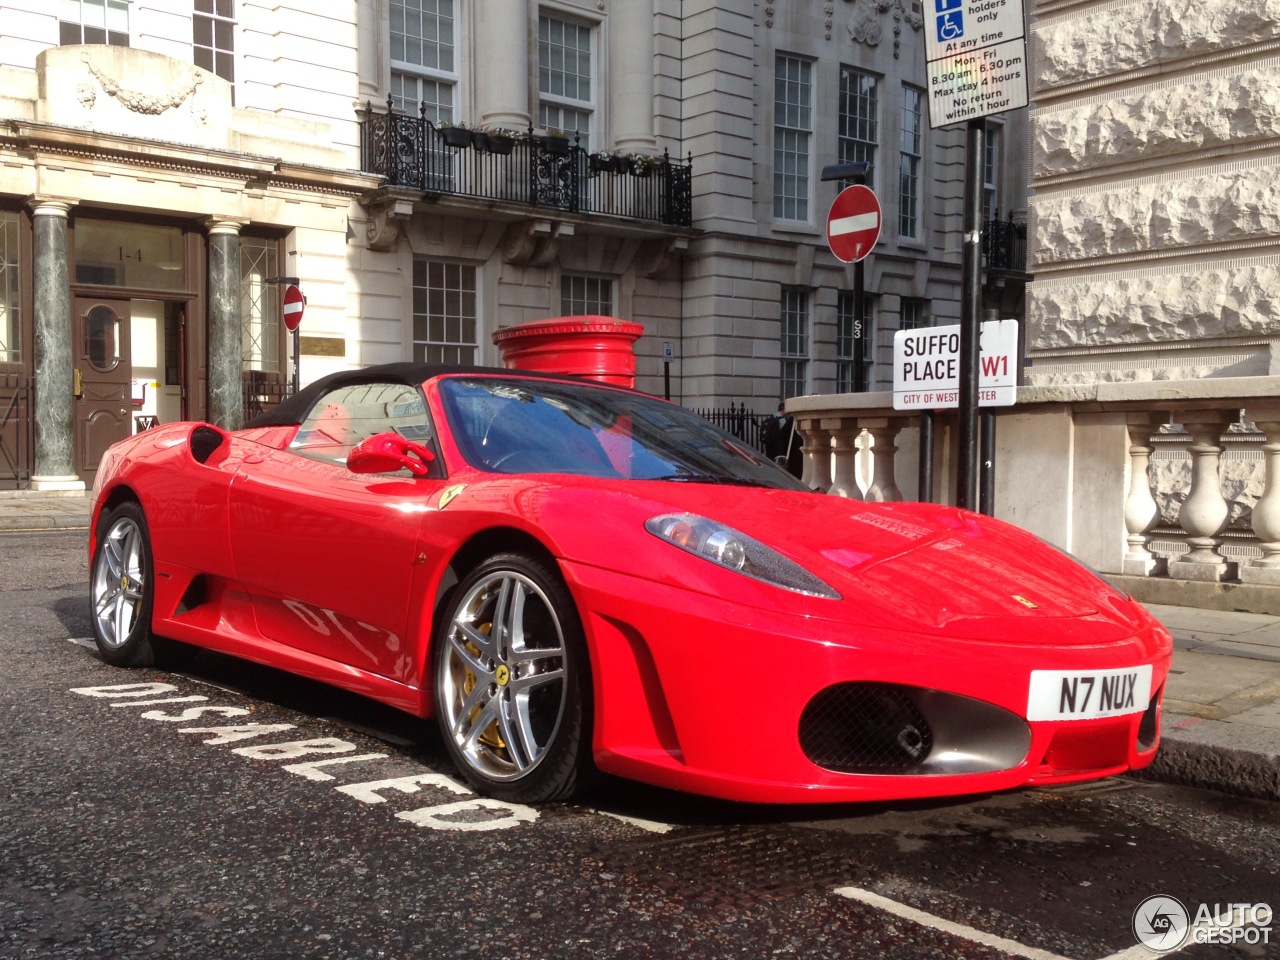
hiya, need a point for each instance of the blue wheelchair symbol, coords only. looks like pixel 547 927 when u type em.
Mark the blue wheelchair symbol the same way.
pixel 950 26
pixel 945 5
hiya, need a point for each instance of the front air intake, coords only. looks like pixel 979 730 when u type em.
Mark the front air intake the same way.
pixel 205 441
pixel 865 728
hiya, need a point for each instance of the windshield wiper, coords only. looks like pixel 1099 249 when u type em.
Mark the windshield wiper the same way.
pixel 721 478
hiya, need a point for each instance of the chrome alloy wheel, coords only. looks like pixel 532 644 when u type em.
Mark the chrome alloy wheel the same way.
pixel 503 686
pixel 119 582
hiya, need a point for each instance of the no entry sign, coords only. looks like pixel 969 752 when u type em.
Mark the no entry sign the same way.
pixel 294 301
pixel 853 225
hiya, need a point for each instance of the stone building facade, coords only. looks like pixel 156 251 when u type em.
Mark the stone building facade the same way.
pixel 166 165
pixel 1156 216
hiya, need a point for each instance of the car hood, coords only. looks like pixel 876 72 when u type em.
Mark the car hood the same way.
pixel 899 566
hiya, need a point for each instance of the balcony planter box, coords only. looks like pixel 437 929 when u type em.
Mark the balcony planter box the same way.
pixel 606 163
pixel 455 136
pixel 557 145
pixel 500 145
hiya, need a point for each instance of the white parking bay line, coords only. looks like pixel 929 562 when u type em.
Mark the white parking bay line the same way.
pixel 946 926
pixel 83 642
pixel 653 826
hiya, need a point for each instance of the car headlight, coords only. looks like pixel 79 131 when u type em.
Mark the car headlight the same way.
pixel 736 551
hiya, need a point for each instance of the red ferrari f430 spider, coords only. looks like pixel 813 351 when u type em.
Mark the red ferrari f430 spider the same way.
pixel 573 577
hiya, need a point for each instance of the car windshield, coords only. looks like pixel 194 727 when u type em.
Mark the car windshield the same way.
pixel 510 425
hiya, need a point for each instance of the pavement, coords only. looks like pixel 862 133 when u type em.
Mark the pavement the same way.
pixel 1222 699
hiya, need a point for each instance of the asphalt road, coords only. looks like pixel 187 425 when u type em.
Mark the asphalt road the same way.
pixel 232 811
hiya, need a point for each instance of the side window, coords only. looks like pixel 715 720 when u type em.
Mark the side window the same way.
pixel 345 416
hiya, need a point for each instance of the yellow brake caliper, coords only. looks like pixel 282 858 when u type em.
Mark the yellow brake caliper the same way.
pixel 490 738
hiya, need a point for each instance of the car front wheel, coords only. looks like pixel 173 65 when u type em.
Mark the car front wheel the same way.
pixel 121 589
pixel 512 682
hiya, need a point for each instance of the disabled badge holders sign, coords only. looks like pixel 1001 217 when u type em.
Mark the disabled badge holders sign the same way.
pixel 977 59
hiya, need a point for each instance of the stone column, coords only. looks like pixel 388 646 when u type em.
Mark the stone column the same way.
pixel 817 452
pixel 1204 513
pixel 631 33
pixel 226 389
pixel 372 33
pixel 1266 512
pixel 503 77
pixel 884 484
pixel 845 457
pixel 1140 508
pixel 54 402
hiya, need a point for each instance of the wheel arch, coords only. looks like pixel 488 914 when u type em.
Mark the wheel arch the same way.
pixel 120 494
pixel 469 555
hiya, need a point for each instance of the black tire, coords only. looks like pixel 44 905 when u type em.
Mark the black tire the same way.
pixel 512 682
pixel 122 589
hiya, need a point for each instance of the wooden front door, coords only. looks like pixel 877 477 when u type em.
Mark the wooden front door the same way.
pixel 104 370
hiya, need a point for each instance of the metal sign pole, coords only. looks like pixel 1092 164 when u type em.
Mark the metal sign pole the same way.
pixel 296 379
pixel 970 318
pixel 855 171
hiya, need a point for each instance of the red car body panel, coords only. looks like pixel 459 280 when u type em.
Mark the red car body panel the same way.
pixel 700 674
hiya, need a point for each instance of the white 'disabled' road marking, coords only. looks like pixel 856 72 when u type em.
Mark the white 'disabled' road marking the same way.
pixel 859 221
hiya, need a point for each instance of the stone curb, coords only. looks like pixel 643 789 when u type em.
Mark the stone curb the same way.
pixel 42 523
pixel 1241 773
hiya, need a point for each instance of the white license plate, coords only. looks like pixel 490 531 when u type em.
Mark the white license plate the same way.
pixel 1088 694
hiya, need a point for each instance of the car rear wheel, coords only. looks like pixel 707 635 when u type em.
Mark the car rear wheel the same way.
pixel 122 589
pixel 512 682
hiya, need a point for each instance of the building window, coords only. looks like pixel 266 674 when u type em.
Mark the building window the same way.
pixel 424 69
pixel 565 92
pixel 795 343
pixel 93 21
pixel 912 152
pixel 10 327
pixel 859 120
pixel 444 312
pixel 213 37
pixel 117 253
pixel 586 296
pixel 259 304
pixel 792 127
pixel 913 314
pixel 992 156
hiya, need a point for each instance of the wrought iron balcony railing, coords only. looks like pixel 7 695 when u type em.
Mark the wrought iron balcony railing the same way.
pixel 540 171
pixel 1004 244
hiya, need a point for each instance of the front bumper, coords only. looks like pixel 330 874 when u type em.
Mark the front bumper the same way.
pixel 699 694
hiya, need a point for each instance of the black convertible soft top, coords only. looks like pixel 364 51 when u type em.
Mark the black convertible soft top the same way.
pixel 293 410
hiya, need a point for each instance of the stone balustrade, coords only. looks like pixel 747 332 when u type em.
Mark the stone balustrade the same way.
pixel 1178 480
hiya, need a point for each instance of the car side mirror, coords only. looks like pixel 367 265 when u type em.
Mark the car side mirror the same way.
pixel 386 452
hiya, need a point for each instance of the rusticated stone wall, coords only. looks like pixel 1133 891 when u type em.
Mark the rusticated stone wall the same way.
pixel 1155 162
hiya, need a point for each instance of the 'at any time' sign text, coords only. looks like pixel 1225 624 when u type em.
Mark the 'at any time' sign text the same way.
pixel 926 367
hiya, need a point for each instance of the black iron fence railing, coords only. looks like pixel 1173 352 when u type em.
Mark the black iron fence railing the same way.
pixel 737 420
pixel 16 451
pixel 519 167
pixel 262 391
pixel 1004 244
